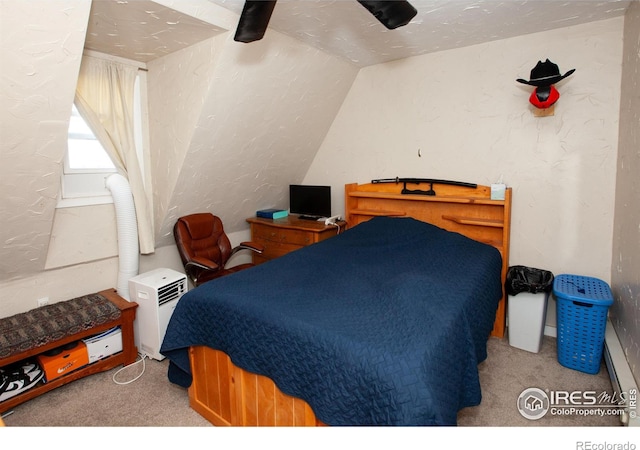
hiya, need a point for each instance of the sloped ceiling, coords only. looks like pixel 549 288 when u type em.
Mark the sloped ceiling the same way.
pixel 40 45
pixel 144 29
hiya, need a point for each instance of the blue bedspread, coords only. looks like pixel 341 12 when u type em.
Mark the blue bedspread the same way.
pixel 384 324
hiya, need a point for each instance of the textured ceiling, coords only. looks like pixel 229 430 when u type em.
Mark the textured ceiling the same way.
pixel 144 30
pixel 345 28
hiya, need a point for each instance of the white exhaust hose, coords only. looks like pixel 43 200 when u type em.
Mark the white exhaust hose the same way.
pixel 127 225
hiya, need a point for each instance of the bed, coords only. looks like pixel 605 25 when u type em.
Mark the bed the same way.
pixel 384 324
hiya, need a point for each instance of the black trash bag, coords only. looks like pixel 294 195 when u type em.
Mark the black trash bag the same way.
pixel 528 279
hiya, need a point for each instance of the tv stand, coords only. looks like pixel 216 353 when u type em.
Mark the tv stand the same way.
pixel 281 236
pixel 303 217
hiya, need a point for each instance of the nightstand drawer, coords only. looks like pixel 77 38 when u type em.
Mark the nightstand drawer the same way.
pixel 273 249
pixel 284 236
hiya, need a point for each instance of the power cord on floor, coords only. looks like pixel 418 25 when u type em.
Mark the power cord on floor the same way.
pixel 142 356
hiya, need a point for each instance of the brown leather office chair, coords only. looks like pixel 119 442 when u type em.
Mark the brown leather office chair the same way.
pixel 205 249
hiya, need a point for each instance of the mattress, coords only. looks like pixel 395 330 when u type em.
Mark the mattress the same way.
pixel 384 324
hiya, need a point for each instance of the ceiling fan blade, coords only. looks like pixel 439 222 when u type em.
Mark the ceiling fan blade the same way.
pixel 392 14
pixel 254 20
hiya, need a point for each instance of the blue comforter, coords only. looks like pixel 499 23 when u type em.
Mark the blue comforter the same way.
pixel 384 324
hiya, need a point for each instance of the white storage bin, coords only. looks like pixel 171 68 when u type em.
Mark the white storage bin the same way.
pixel 104 344
pixel 527 313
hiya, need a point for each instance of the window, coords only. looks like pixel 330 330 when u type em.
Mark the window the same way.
pixel 85 152
pixel 86 164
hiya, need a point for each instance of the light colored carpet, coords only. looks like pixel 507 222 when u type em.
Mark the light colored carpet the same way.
pixel 97 400
pixel 152 401
pixel 508 371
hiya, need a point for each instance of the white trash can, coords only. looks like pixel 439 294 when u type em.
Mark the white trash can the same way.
pixel 527 314
pixel 528 289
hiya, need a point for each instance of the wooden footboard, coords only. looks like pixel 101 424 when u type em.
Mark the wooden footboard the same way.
pixel 227 395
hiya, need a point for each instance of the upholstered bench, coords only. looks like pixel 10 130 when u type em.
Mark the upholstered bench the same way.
pixel 48 327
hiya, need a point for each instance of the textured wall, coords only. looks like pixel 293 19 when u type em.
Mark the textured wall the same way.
pixel 472 122
pixel 625 270
pixel 177 89
pixel 265 114
pixel 40 63
pixel 82 234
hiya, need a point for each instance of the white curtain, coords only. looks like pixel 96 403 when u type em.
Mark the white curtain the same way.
pixel 104 97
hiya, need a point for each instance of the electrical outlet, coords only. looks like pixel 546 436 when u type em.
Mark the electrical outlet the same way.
pixel 43 301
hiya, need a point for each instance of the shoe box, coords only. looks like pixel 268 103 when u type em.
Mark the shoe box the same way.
pixel 104 344
pixel 63 360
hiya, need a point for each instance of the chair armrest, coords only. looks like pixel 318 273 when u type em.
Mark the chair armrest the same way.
pixel 201 263
pixel 247 245
pixel 253 246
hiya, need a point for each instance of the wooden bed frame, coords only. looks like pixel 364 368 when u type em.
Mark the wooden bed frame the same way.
pixel 227 395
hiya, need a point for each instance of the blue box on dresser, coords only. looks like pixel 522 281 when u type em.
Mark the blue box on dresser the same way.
pixel 272 213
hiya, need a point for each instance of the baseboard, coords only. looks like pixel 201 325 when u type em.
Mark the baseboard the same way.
pixel 550 331
pixel 622 378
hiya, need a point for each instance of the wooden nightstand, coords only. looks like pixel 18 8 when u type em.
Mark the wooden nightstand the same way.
pixel 281 236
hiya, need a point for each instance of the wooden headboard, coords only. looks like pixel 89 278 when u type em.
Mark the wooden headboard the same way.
pixel 465 210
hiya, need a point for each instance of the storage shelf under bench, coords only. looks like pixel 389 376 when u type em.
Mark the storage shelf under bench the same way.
pixel 127 356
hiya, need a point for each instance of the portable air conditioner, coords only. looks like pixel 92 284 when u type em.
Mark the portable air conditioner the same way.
pixel 157 293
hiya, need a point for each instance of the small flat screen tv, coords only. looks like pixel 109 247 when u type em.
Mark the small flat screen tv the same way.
pixel 310 202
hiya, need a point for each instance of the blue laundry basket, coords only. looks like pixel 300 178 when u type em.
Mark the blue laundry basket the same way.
pixel 582 307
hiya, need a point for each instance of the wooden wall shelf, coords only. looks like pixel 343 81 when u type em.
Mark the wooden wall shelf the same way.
pixel 372 213
pixel 475 221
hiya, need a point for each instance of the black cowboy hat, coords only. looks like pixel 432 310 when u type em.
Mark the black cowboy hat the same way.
pixel 545 74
